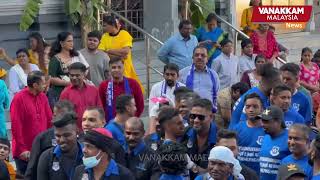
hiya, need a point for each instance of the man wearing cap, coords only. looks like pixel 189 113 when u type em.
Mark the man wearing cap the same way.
pixel 94 117
pixel 45 140
pixel 250 133
pixel 281 97
pixel 222 165
pixel 298 143
pixel 202 137
pixel 97 161
pixel 139 157
pixel 273 148
pixel 125 108
pixel 59 162
pixel 291 172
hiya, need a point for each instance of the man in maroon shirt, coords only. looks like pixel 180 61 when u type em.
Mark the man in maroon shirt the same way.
pixel 81 94
pixel 30 115
pixel 110 89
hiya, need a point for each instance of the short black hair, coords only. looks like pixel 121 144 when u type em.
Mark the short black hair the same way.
pixel 175 165
pixel 268 73
pixel 292 68
pixel 5 141
pixel 98 109
pixel 77 66
pixel 225 42
pixel 241 86
pixel 166 114
pixel 184 22
pixel 203 103
pixel 24 50
pixel 199 47
pixel 95 34
pixel 122 101
pixel 259 56
pixel 115 59
pixel 180 91
pixel 61 104
pixel 226 134
pixel 210 17
pixel 245 43
pixel 65 119
pixel 253 96
pixel 280 88
pixel 190 97
pixel 172 67
pixel 34 77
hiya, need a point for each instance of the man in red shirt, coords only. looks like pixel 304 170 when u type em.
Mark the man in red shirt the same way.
pixel 81 94
pixel 30 115
pixel 110 89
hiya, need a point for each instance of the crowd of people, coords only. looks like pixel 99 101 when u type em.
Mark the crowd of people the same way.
pixel 76 114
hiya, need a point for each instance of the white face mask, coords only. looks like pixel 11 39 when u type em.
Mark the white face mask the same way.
pixel 92 161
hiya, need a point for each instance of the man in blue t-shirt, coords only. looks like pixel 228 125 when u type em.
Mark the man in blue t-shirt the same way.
pixel 273 148
pixel 298 142
pixel 250 133
pixel 281 97
pixel 314 157
pixel 300 102
pixel 270 77
pixel 125 109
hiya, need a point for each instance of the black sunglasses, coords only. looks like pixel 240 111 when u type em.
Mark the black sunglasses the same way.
pixel 199 116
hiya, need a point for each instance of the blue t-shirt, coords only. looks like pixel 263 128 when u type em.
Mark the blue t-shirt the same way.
pixel 302 104
pixel 238 109
pixel 170 177
pixel 273 150
pixel 302 163
pixel 249 141
pixel 118 134
pixel 292 117
pixel 316 177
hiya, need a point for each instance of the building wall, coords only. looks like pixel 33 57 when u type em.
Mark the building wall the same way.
pixel 49 23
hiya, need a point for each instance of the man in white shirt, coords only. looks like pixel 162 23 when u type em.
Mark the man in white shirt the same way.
pixel 226 65
pixel 165 87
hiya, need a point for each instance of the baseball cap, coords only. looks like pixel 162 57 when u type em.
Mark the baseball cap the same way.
pixel 272 112
pixel 288 170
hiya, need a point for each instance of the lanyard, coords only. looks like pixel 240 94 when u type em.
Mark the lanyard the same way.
pixel 109 95
pixel 164 88
pixel 189 84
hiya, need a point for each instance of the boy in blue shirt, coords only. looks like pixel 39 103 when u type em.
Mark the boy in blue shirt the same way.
pixel 250 133
pixel 125 108
pixel 272 149
pixel 300 102
pixel 281 97
pixel 298 142
pixel 270 77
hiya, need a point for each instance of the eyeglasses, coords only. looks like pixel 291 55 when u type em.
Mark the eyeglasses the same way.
pixel 199 116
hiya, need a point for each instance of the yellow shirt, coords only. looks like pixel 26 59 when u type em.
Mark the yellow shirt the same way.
pixel 34 60
pixel 246 19
pixel 121 40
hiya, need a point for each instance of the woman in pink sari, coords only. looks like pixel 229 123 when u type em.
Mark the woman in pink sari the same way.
pixel 265 43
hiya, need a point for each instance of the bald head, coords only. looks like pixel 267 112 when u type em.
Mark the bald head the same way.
pixel 134 131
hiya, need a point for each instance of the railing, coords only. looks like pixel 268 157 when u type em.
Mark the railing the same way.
pixel 147 38
pixel 236 31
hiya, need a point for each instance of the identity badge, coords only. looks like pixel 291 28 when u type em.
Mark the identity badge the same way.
pixel 55 166
pixel 154 146
pixel 54 142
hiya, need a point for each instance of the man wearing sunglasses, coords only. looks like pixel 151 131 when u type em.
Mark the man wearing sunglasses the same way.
pixel 202 136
